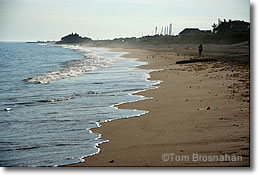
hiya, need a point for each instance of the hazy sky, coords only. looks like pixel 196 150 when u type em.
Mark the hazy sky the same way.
pixel 31 20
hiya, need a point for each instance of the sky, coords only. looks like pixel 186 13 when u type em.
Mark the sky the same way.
pixel 33 20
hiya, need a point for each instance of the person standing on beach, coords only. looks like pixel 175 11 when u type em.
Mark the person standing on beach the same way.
pixel 200 49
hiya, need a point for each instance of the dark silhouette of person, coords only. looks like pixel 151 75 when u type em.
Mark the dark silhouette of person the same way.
pixel 200 49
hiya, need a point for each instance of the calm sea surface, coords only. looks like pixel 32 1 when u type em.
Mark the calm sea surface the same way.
pixel 50 96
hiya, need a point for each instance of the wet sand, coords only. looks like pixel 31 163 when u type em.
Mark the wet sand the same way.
pixel 199 108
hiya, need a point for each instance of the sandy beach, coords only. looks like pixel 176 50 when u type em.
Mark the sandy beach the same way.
pixel 199 109
pixel 127 83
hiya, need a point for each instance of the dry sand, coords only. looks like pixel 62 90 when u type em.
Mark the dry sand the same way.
pixel 179 122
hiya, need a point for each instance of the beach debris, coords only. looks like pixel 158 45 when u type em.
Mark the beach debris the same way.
pixel 235 125
pixel 8 109
pixel 186 100
pixel 111 161
pixel 202 109
pixel 195 60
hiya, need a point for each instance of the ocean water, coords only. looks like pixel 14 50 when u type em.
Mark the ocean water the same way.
pixel 50 96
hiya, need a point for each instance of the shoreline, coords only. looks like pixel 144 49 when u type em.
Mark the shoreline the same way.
pixel 167 130
pixel 154 86
pixel 141 97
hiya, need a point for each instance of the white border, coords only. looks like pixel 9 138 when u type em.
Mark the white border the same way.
pixel 148 171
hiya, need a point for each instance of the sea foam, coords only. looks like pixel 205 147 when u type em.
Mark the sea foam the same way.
pixel 91 61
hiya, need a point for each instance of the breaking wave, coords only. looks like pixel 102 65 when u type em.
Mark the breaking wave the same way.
pixel 91 61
